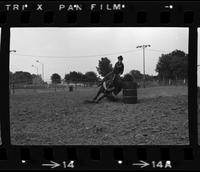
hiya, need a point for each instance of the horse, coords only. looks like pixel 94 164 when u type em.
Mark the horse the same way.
pixel 109 89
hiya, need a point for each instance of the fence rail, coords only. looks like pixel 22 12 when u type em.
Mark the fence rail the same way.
pixel 163 83
pixel 58 87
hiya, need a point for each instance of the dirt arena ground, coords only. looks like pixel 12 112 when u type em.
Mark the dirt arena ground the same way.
pixel 198 96
pixel 62 118
pixel 199 123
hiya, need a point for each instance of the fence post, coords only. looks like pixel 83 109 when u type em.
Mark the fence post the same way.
pixel 169 81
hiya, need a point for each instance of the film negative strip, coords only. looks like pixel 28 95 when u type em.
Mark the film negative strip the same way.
pixel 57 58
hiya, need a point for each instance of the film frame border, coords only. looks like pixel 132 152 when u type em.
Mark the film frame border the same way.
pixel 136 14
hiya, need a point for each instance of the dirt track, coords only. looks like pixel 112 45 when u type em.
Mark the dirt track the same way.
pixel 198 101
pixel 159 118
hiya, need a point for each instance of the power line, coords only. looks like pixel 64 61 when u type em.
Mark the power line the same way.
pixel 85 56
pixel 160 51
pixel 88 56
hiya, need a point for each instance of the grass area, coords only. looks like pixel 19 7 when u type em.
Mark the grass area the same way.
pixel 62 118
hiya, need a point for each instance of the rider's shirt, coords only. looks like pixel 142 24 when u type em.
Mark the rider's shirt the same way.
pixel 119 68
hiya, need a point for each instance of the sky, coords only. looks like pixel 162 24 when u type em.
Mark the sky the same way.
pixel 62 50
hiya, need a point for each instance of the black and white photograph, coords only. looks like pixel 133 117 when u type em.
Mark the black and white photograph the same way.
pixel 99 86
pixel 198 86
pixel 0 121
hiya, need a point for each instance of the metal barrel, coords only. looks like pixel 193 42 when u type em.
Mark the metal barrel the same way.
pixel 130 92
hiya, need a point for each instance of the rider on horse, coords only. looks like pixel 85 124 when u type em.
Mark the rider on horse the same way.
pixel 111 84
pixel 117 71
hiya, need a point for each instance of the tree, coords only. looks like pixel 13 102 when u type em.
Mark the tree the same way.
pixel 75 77
pixel 37 79
pixel 128 77
pixel 55 78
pixel 91 76
pixel 21 77
pixel 104 66
pixel 136 75
pixel 80 77
pixel 67 78
pixel 179 65
pixel 173 65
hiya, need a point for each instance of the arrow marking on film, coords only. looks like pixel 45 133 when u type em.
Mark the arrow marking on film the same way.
pixel 52 165
pixel 142 164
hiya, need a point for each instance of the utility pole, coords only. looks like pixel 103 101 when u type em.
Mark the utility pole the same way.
pixel 13 84
pixel 42 68
pixel 35 68
pixel 143 47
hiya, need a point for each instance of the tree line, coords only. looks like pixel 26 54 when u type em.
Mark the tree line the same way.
pixel 21 77
pixel 173 65
pixel 75 77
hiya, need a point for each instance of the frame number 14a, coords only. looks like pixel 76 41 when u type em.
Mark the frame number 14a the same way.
pixel 161 164
pixel 154 164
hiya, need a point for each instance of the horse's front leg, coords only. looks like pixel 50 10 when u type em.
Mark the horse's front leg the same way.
pixel 98 93
pixel 104 95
